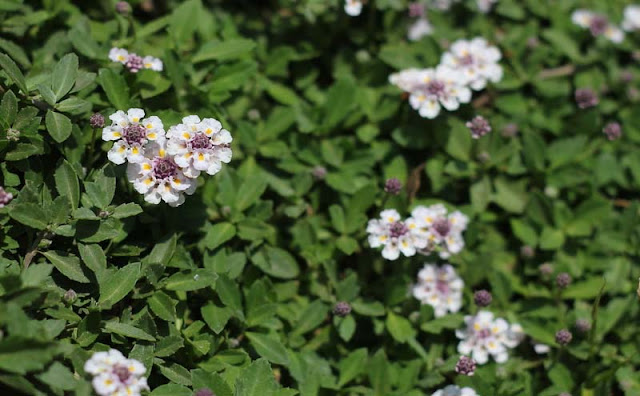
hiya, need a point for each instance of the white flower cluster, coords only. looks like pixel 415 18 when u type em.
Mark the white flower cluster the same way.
pixel 440 287
pixel 455 390
pixel 428 229
pixel 115 375
pixel 486 335
pixel 164 166
pixel 353 7
pixel 599 24
pixel 468 65
pixel 134 62
pixel 631 20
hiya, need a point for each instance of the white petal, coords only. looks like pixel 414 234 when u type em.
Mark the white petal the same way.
pixel 135 115
pixel 111 133
pixel 430 109
pixel 118 153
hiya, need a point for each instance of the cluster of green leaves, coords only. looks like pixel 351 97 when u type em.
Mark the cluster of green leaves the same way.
pixel 233 290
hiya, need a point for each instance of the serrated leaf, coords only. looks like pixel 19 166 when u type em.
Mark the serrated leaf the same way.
pixel 118 284
pixel 128 331
pixel 58 125
pixel 13 72
pixel 269 348
pixel 68 265
pixel 67 183
pixel 64 76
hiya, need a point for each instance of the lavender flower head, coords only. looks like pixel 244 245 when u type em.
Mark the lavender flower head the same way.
pixel 612 130
pixel 466 366
pixel 342 309
pixel 563 280
pixel 563 337
pixel 393 186
pixel 134 63
pixel 204 392
pixel 416 9
pixel 479 127
pixel 586 97
pixel 5 197
pixel 122 7
pixel 319 172
pixel 97 120
pixel 482 298
pixel 583 325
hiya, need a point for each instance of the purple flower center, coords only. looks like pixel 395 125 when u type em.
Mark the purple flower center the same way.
pixel 134 134
pixel 484 333
pixel 398 229
pixel 134 63
pixel 122 372
pixel 435 88
pixel 466 60
pixel 598 25
pixel 442 226
pixel 164 168
pixel 200 142
pixel 442 286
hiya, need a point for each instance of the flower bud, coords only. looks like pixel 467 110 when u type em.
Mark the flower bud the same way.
pixel 482 298
pixel 342 309
pixel 466 366
pixel 585 98
pixel 70 296
pixel 96 120
pixel 478 126
pixel 13 135
pixel 393 186
pixel 563 337
pixel 583 325
pixel 204 392
pixel 319 172
pixel 123 8
pixel 612 130
pixel 563 280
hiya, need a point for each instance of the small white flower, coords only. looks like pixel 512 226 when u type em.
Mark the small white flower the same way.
pixel 443 231
pixel 476 60
pixel 486 336
pixel 199 146
pixel 159 178
pixel 119 55
pixel 631 20
pixel 440 287
pixel 485 5
pixel 419 29
pixel 395 235
pixel 541 349
pixel 152 63
pixel 431 89
pixel 598 24
pixel 353 7
pixel 114 375
pixel 131 132
pixel 455 390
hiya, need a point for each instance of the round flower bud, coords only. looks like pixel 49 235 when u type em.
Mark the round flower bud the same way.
pixel 527 251
pixel 466 366
pixel 70 296
pixel 123 8
pixel 393 186
pixel 612 130
pixel 319 172
pixel 204 392
pixel 563 337
pixel 478 126
pixel 546 270
pixel 482 298
pixel 342 309
pixel 97 120
pixel 5 197
pixel 585 98
pixel 583 325
pixel 563 280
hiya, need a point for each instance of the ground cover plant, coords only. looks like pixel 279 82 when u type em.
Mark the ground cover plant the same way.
pixel 319 197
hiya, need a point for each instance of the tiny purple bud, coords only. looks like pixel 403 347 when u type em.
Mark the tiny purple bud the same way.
pixel 134 63
pixel 510 130
pixel 598 25
pixel 563 280
pixel 319 172
pixel 583 325
pixel 585 98
pixel 342 309
pixel 393 186
pixel 563 337
pixel 70 296
pixel 482 298
pixel 466 366
pixel 416 9
pixel 96 120
pixel 533 42
pixel 204 392
pixel 546 270
pixel 612 130
pixel 479 127
pixel 527 251
pixel 5 197
pixel 123 7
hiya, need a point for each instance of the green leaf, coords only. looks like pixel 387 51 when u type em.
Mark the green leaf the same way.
pixel 128 331
pixel 313 315
pixel 58 376
pixel 58 125
pixel 67 183
pixel 399 327
pixel 163 306
pixel 218 234
pixel 93 257
pixel 184 20
pixel 22 356
pixel 459 142
pixel 68 264
pixel 115 87
pixel 351 366
pixel 163 250
pixel 8 108
pixel 171 390
pixel 224 50
pixel 216 317
pixel 29 214
pixel 193 280
pixel 250 191
pixel 269 348
pixel 256 380
pixel 276 262
pixel 64 75
pixel 551 239
pixel 340 100
pixel 126 210
pixel 168 346
pixel 118 284
pixel 203 379
pixel 13 72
